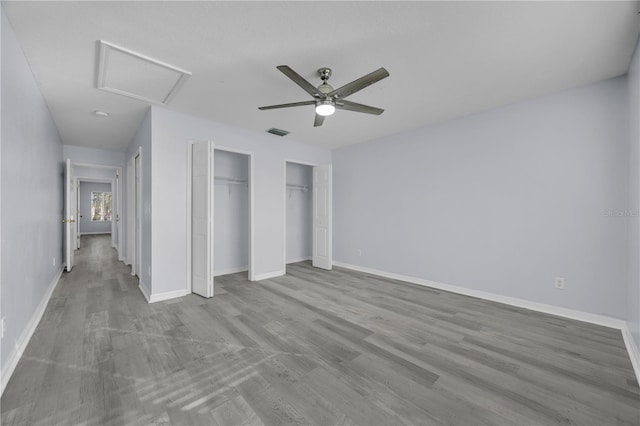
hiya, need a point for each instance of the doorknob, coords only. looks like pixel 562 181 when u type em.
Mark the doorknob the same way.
pixel 68 220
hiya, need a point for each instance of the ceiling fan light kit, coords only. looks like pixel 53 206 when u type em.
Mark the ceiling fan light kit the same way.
pixel 325 108
pixel 326 98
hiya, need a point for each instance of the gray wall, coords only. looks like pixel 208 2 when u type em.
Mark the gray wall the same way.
pixel 231 214
pixel 633 298
pixel 32 201
pixel 86 225
pixel 81 154
pixel 501 202
pixel 299 213
pixel 171 132
pixel 142 140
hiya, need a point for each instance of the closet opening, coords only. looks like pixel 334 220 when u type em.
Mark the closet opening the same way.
pixel 231 213
pixel 298 213
pixel 219 216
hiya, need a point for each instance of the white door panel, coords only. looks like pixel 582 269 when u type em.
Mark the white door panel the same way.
pixel 70 215
pixel 130 240
pixel 201 224
pixel 321 239
pixel 138 217
pixel 322 223
pixel 77 214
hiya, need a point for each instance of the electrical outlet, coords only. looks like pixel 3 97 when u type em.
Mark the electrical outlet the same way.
pixel 560 283
pixel 359 252
pixel 4 327
pixel 54 261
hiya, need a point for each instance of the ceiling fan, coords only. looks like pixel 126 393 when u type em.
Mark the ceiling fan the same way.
pixel 326 98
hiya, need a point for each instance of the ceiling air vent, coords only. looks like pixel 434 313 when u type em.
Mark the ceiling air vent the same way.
pixel 129 73
pixel 277 132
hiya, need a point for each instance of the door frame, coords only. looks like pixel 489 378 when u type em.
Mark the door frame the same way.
pixel 134 232
pixel 250 182
pixel 284 209
pixel 137 181
pixel 117 219
pixel 114 222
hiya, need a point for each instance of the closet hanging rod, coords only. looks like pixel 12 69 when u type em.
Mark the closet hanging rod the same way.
pixel 304 188
pixel 229 181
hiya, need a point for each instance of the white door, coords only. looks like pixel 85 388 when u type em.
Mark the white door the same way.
pixel 138 217
pixel 77 214
pixel 70 215
pixel 201 223
pixel 114 212
pixel 118 212
pixel 322 226
pixel 131 202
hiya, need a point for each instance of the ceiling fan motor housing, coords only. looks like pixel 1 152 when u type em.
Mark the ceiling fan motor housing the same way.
pixel 325 87
pixel 325 73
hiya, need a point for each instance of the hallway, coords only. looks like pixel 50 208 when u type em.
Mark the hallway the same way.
pixel 68 366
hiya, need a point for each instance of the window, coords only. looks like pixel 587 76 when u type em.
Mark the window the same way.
pixel 100 206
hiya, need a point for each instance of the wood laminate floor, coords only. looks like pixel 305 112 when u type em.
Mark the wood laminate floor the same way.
pixel 312 347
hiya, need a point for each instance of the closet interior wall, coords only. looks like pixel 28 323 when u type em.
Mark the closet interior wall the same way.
pixel 299 213
pixel 230 213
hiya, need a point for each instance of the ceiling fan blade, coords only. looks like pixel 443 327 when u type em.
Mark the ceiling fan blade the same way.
pixel 352 106
pixel 318 121
pixel 293 104
pixel 360 83
pixel 300 81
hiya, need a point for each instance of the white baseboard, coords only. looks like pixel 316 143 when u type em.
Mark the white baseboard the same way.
pixel 159 297
pixel 299 259
pixel 603 320
pixel 23 340
pixel 268 275
pixel 230 271
pixel 513 301
pixel 633 349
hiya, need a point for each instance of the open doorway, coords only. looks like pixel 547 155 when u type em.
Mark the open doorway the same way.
pixel 298 212
pixel 96 208
pixel 220 215
pixel 106 210
pixel 308 211
pixel 231 213
pixel 96 224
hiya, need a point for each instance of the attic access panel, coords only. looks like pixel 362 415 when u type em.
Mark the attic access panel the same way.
pixel 137 76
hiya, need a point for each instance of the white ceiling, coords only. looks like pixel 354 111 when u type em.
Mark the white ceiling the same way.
pixel 446 59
